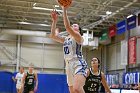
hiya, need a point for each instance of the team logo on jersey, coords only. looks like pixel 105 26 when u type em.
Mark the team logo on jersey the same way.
pixel 68 43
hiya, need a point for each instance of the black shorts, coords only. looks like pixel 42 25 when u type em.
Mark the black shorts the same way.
pixel 27 89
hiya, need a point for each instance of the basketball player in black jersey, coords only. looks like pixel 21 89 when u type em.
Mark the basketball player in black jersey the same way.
pixel 28 81
pixel 94 78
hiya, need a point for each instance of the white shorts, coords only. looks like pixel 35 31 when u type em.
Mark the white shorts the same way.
pixel 73 67
pixel 18 86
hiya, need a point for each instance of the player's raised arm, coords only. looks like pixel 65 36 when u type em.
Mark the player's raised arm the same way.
pixel 55 31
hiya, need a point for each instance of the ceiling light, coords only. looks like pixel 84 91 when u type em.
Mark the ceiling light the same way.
pixel 56 5
pixel 108 12
pixel 44 25
pixel 34 4
pixel 46 21
pixel 117 11
pixel 129 16
pixel 121 9
pixel 85 29
pixel 41 8
pixel 25 23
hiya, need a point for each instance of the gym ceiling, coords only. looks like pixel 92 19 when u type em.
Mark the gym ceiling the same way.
pixel 94 15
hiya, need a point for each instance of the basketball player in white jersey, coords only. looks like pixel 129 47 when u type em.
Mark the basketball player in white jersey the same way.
pixel 18 78
pixel 72 47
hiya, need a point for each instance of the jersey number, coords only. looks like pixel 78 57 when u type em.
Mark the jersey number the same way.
pixel 30 80
pixel 66 50
pixel 20 80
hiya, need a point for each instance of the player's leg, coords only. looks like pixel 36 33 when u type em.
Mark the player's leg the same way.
pixel 20 90
pixel 31 91
pixel 26 89
pixel 80 76
pixel 69 77
pixel 71 89
pixel 79 81
pixel 17 88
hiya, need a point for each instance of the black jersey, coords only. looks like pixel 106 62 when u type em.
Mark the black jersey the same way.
pixel 29 80
pixel 93 82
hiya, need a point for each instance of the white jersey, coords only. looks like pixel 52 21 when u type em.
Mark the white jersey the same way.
pixel 19 78
pixel 71 49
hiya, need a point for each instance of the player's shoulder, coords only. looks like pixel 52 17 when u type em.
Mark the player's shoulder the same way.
pixel 18 73
pixel 102 73
pixel 35 73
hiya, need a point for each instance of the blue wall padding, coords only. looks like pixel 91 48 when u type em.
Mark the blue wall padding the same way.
pixel 6 83
pixel 48 83
pixel 14 83
pixel 51 83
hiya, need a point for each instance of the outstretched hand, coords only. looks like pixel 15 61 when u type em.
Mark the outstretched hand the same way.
pixel 54 15
pixel 13 78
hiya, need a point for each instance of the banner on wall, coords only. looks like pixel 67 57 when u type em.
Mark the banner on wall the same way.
pixel 139 19
pixel 112 30
pixel 124 52
pixel 131 78
pixel 112 79
pixel 131 22
pixel 132 50
pixel 121 27
pixel 104 35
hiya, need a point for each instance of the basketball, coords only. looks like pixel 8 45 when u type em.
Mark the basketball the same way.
pixel 65 3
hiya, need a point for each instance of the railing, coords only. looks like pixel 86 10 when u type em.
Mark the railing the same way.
pixel 13 56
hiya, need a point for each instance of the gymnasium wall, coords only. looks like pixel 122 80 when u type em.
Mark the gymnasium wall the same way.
pixel 114 57
pixel 10 45
pixel 114 54
pixel 91 54
pixel 7 57
pixel 135 31
pixel 46 55
pixel 113 61
pixel 7 68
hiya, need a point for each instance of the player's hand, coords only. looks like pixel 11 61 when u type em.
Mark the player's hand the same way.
pixel 13 78
pixel 54 15
pixel 35 89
